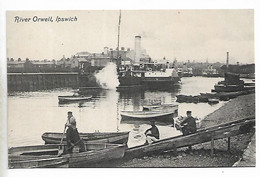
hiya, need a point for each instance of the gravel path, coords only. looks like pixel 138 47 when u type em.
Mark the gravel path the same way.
pixel 235 109
pixel 238 108
pixel 248 159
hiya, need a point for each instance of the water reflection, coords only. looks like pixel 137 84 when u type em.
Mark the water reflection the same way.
pixel 30 114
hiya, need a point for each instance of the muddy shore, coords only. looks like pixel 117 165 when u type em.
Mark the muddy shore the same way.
pixel 237 108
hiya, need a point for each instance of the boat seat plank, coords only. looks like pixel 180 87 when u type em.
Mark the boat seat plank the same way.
pixel 36 151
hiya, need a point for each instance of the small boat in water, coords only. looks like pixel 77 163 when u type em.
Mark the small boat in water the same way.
pixel 45 156
pixel 187 99
pixel 232 83
pixel 209 95
pixel 154 113
pixel 226 95
pixel 65 99
pixel 98 137
pixel 213 100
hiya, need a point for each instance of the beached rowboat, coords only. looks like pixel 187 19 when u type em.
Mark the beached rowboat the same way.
pixel 160 115
pixel 44 156
pixel 98 137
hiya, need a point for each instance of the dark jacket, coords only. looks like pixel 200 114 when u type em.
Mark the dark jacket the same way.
pixel 154 132
pixel 189 125
pixel 72 135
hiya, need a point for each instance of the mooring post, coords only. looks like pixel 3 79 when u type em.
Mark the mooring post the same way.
pixel 228 144
pixel 212 145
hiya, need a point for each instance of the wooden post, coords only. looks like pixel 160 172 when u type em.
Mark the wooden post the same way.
pixel 212 145
pixel 228 144
pixel 52 81
pixel 76 79
pixel 43 82
pixel 38 82
pixel 23 82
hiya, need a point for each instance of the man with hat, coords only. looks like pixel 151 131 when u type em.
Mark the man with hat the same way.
pixel 71 120
pixel 152 134
pixel 72 135
pixel 189 124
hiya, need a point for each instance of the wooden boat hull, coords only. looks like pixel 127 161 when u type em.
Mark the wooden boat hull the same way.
pixel 65 99
pixel 226 95
pixel 113 137
pixel 228 88
pixel 157 83
pixel 213 101
pixel 161 107
pixel 187 98
pixel 149 115
pixel 209 95
pixel 130 81
pixel 203 135
pixel 27 157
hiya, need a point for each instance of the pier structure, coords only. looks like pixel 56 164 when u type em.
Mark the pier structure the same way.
pixel 41 81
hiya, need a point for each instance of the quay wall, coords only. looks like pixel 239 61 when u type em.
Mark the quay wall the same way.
pixel 41 81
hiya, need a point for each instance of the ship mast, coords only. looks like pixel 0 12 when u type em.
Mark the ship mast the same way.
pixel 118 36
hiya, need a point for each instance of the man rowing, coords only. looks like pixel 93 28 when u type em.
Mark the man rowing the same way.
pixel 72 135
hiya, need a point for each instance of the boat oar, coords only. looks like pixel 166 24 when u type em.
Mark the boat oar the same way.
pixel 61 153
pixel 61 149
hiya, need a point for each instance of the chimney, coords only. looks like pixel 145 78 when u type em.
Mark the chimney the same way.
pixel 137 48
pixel 227 60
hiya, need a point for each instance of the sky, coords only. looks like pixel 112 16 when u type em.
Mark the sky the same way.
pixel 198 35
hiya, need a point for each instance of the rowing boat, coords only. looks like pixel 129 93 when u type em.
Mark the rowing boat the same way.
pixel 64 99
pixel 213 100
pixel 98 137
pixel 45 156
pixel 160 106
pixel 187 98
pixel 164 115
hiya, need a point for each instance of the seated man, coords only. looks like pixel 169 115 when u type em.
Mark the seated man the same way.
pixel 189 124
pixel 152 134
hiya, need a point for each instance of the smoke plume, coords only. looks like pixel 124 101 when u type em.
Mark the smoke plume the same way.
pixel 107 77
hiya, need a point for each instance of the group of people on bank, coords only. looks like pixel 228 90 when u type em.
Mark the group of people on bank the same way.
pixel 188 126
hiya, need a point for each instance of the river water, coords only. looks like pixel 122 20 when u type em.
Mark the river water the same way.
pixel 30 114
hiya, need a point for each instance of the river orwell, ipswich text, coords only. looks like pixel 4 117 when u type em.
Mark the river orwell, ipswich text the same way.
pixel 58 19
